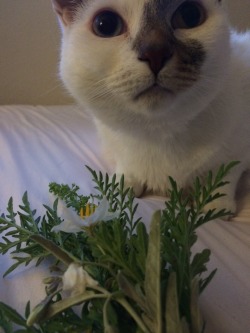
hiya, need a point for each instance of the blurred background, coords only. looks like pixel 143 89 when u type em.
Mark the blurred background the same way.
pixel 30 47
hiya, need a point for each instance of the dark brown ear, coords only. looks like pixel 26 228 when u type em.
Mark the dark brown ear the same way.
pixel 65 9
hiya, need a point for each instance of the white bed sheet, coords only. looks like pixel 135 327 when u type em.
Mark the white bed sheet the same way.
pixel 42 144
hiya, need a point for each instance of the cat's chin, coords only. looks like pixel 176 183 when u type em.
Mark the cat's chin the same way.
pixel 155 91
pixel 154 97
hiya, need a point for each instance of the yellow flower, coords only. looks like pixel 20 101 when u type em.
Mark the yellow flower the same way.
pixel 91 216
pixel 89 210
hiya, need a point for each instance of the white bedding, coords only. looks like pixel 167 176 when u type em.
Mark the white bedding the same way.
pixel 43 144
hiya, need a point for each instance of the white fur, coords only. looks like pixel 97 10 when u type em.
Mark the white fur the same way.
pixel 153 137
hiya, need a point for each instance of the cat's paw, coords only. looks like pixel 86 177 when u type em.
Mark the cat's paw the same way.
pixel 132 182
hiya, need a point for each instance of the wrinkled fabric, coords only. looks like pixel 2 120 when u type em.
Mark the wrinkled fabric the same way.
pixel 40 144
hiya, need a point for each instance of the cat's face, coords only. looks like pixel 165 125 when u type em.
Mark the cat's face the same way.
pixel 144 56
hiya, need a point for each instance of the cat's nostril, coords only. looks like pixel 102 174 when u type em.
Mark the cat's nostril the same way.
pixel 156 57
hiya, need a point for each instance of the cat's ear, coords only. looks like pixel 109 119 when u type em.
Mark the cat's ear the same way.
pixel 65 10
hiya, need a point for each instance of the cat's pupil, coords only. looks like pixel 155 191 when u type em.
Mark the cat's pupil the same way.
pixel 189 15
pixel 107 24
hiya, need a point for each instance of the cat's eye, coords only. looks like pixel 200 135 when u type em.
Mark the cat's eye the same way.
pixel 107 24
pixel 189 15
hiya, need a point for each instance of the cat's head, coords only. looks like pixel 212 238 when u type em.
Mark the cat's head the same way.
pixel 144 57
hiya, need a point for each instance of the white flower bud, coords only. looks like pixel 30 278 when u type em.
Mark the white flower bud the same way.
pixel 76 279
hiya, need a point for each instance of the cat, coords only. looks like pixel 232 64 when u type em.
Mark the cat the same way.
pixel 167 83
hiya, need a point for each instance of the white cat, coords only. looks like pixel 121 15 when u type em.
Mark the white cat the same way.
pixel 168 84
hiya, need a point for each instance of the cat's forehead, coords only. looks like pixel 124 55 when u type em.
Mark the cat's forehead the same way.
pixel 153 10
pixel 146 10
pixel 152 6
pixel 158 13
pixel 158 7
pixel 160 4
pixel 141 15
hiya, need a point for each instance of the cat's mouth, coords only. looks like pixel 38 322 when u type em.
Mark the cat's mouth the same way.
pixel 155 90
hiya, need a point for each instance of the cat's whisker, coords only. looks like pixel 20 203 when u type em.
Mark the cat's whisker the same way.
pixel 99 92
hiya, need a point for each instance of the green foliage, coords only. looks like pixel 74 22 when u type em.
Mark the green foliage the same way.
pixel 69 195
pixel 17 229
pixel 10 318
pixel 147 281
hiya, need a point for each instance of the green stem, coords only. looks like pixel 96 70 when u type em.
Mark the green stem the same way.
pixel 16 226
pixel 55 250
pixel 97 264
pixel 122 301
pixel 133 314
pixel 69 302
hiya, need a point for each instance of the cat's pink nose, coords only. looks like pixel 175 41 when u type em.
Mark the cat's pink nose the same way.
pixel 156 56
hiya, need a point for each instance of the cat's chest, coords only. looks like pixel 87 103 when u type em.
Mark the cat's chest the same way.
pixel 156 158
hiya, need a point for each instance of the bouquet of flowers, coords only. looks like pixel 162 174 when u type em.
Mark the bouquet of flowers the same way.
pixel 123 277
